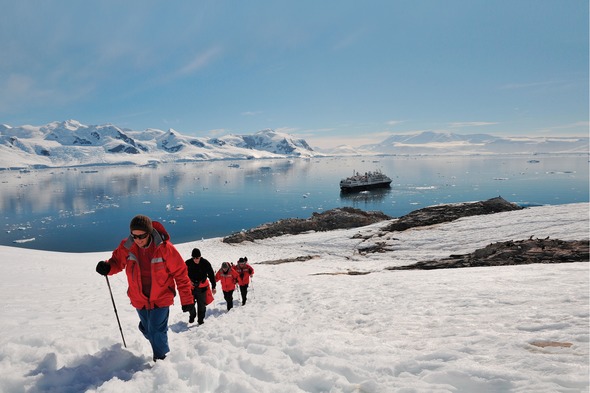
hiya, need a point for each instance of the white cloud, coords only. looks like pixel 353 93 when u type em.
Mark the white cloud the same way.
pixel 574 125
pixel 300 133
pixel 251 113
pixel 22 91
pixel 580 128
pixel 201 61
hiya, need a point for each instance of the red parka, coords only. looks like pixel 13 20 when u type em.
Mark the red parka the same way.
pixel 168 272
pixel 244 271
pixel 228 279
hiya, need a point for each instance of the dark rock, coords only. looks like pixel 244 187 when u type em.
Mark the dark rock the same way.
pixel 124 149
pixel 303 258
pixel 445 213
pixel 348 273
pixel 380 247
pixel 511 252
pixel 340 218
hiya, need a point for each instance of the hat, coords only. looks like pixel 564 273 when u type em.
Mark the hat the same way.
pixel 141 223
pixel 196 253
pixel 225 265
pixel 241 260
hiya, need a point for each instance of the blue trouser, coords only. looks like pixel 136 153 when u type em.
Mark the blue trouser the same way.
pixel 154 326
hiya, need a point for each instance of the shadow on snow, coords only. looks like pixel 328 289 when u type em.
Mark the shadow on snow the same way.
pixel 87 372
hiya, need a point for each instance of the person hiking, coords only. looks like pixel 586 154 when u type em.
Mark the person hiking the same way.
pixel 245 271
pixel 228 278
pixel 201 274
pixel 154 268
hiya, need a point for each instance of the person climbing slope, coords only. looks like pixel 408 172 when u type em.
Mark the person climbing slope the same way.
pixel 154 269
pixel 201 274
pixel 228 278
pixel 245 271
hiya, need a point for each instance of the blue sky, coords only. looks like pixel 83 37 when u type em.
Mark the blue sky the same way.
pixel 332 72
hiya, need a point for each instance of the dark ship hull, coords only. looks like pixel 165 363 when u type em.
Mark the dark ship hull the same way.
pixel 369 180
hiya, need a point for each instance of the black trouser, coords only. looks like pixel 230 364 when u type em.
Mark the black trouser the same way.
pixel 200 296
pixel 229 299
pixel 244 292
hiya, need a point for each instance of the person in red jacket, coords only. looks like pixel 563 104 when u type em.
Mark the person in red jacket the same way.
pixel 155 270
pixel 244 271
pixel 228 278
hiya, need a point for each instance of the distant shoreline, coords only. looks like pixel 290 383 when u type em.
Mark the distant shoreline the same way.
pixel 196 161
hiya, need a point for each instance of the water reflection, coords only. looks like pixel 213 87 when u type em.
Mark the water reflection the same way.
pixel 365 197
pixel 89 209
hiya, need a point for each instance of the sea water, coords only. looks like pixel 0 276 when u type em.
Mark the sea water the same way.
pixel 89 208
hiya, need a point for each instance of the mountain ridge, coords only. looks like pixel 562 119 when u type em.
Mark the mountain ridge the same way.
pixel 71 143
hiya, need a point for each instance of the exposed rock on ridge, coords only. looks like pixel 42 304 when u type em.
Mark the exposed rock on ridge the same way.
pixel 340 218
pixel 347 217
pixel 520 252
pixel 444 213
pixel 513 252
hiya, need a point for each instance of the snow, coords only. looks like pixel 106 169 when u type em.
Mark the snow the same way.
pixel 308 327
pixel 71 143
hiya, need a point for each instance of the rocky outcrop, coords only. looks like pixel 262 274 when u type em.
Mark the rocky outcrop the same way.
pixel 340 218
pixel 521 252
pixel 445 213
pixel 303 258
pixel 347 217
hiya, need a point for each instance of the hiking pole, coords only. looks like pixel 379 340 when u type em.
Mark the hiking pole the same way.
pixel 115 307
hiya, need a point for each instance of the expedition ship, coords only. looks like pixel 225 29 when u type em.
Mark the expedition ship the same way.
pixel 358 182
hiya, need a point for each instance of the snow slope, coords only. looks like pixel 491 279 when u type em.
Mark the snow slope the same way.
pixel 308 327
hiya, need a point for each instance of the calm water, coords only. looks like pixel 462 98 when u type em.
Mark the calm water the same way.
pixel 89 209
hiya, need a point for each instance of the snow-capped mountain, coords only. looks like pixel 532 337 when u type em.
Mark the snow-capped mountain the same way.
pixel 429 142
pixel 71 143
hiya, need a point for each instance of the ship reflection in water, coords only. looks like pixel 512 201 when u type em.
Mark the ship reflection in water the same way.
pixel 365 197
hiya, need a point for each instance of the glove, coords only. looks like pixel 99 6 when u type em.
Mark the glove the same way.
pixel 189 308
pixel 103 268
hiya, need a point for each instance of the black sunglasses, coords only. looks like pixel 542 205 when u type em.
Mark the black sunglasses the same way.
pixel 142 236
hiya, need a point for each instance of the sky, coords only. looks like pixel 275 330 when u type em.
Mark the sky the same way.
pixel 309 326
pixel 332 72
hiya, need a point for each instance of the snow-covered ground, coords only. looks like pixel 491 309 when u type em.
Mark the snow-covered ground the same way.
pixel 308 329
